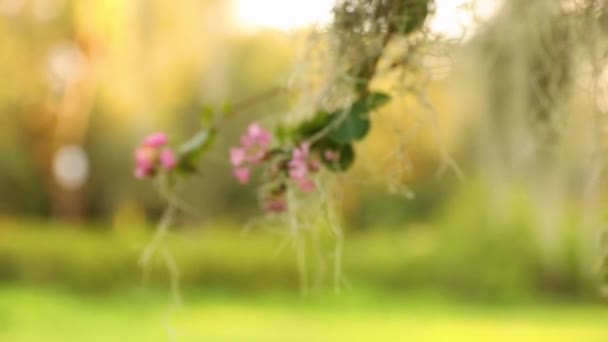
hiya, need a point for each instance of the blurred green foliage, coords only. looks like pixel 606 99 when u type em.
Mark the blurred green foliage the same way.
pixel 102 75
pixel 460 254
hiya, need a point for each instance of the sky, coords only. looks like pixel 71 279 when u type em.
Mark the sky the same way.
pixel 450 18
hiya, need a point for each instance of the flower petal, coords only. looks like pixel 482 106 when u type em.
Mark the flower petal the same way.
pixel 258 135
pixel 242 174
pixel 237 156
pixel 155 140
pixel 168 159
pixel 144 157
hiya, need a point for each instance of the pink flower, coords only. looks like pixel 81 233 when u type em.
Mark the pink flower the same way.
pixel 255 142
pixel 253 150
pixel 301 166
pixel 256 135
pixel 168 159
pixel 242 174
pixel 145 157
pixel 298 165
pixel 237 156
pixel 302 152
pixel 297 169
pixel 155 140
pixel 150 156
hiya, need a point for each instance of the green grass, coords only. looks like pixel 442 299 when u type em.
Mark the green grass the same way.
pixel 31 314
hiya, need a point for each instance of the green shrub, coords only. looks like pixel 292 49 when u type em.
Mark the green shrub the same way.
pixel 464 252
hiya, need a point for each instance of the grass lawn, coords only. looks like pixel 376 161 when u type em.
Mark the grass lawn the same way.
pixel 29 314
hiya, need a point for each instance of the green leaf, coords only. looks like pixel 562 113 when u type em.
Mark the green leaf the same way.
pixel 354 123
pixel 376 100
pixel 190 151
pixel 354 126
pixel 313 125
pixel 281 133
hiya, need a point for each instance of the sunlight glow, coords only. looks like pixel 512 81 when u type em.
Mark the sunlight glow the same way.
pixel 452 18
pixel 282 14
pixel 71 167
pixel 457 18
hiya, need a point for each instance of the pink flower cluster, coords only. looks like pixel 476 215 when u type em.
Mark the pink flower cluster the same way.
pixel 152 155
pixel 297 165
pixel 252 151
pixel 301 167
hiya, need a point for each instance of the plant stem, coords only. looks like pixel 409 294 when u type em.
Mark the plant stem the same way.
pixel 161 231
pixel 299 243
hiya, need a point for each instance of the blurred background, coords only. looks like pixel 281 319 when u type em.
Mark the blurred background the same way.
pixel 511 250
